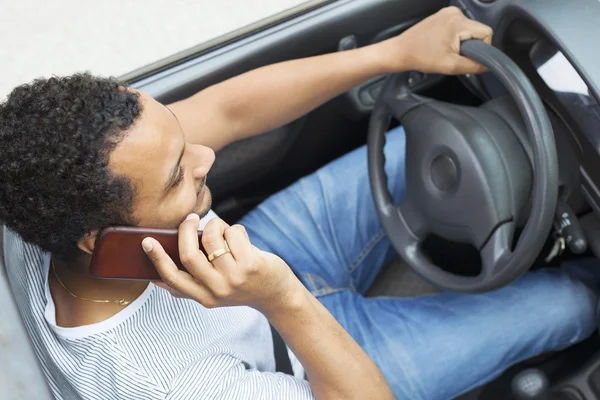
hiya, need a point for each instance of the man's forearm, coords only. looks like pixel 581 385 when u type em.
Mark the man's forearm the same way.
pixel 335 364
pixel 277 94
pixel 272 96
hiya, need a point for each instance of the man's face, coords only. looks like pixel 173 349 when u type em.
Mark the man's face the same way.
pixel 168 173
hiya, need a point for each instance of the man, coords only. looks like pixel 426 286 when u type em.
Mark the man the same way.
pixel 81 153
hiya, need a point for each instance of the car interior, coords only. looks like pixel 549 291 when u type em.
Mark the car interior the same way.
pixel 551 164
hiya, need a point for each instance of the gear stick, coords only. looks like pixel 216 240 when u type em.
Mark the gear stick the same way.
pixel 531 384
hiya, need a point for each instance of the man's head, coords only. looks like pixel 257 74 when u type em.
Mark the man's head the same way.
pixel 81 153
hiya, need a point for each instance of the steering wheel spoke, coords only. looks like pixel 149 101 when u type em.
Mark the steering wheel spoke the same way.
pixel 404 222
pixel 412 220
pixel 497 250
pixel 399 99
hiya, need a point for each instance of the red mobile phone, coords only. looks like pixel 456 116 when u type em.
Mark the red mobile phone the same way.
pixel 118 253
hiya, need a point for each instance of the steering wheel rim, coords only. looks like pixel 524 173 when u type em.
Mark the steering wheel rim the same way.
pixel 500 263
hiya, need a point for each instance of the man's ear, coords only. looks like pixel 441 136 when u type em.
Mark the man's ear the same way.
pixel 88 242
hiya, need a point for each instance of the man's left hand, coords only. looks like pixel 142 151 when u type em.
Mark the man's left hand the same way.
pixel 433 45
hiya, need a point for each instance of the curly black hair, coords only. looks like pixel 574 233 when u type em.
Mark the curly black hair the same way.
pixel 56 136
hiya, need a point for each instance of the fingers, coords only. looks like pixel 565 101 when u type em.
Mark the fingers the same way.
pixel 155 252
pixel 192 258
pixel 467 29
pixel 173 276
pixel 230 279
pixel 475 30
pixel 213 240
pixel 189 246
pixel 239 243
pixel 464 65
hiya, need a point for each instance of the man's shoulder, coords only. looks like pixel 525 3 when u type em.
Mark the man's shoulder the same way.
pixel 13 244
pixel 20 258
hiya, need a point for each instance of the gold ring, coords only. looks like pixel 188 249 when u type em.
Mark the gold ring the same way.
pixel 218 253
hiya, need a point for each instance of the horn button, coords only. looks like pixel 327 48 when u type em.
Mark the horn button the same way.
pixel 466 171
pixel 444 173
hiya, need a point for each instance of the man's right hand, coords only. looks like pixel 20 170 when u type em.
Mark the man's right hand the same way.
pixel 248 276
pixel 245 276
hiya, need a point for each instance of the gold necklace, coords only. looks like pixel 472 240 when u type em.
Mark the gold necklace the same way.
pixel 121 302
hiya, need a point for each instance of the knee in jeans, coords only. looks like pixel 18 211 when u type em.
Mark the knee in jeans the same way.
pixel 568 303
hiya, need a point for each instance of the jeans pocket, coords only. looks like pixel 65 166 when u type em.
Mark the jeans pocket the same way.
pixel 317 285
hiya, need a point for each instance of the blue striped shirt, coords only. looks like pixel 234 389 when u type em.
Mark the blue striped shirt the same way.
pixel 158 347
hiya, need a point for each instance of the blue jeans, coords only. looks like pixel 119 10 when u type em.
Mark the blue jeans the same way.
pixel 430 347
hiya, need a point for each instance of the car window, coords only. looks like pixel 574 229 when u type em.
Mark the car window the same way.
pixel 113 37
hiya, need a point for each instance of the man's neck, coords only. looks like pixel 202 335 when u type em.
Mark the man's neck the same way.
pixel 73 311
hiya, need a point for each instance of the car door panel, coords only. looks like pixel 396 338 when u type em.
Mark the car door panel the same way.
pixel 316 32
pixel 281 155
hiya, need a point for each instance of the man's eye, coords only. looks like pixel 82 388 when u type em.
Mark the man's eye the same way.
pixel 180 176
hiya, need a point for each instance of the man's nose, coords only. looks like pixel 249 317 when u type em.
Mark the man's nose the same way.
pixel 204 158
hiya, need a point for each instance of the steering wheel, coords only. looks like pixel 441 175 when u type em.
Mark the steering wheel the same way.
pixel 469 175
